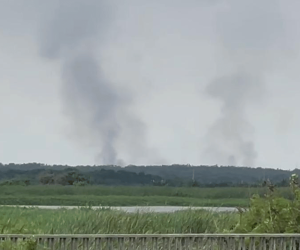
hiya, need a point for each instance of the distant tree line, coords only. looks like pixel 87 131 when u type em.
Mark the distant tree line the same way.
pixel 165 175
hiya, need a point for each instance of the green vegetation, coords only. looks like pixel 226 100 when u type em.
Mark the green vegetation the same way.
pixel 120 201
pixel 272 213
pixel 124 196
pixel 87 221
pixel 129 196
pixel 166 175
pixel 200 193
pixel 29 244
pixel 269 212
pixel 104 221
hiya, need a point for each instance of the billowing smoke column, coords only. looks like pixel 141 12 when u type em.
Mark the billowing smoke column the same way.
pixel 230 137
pixel 89 100
pixel 249 35
pixel 85 91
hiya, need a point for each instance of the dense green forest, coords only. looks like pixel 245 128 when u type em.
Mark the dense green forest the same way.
pixel 170 175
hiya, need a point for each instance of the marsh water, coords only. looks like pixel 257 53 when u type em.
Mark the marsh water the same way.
pixel 142 209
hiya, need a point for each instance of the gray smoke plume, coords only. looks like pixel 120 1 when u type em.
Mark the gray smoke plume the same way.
pixel 90 101
pixel 85 90
pixel 230 137
pixel 250 34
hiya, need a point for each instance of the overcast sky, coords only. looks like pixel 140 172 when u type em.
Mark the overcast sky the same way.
pixel 150 82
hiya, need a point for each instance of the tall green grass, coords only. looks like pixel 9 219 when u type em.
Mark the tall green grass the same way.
pixel 91 200
pixel 88 221
pixel 128 196
pixel 203 193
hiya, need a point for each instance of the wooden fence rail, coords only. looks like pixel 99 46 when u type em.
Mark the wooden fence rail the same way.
pixel 152 242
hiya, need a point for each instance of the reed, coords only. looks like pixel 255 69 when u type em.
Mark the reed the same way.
pixel 104 221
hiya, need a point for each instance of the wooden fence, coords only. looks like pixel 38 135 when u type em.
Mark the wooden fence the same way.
pixel 153 242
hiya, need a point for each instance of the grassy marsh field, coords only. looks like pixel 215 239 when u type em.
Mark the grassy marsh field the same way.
pixel 269 213
pixel 128 196
pixel 62 221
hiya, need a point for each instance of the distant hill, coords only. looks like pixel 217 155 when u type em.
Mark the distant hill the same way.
pixel 147 175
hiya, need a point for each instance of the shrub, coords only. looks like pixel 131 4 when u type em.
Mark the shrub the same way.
pixel 272 213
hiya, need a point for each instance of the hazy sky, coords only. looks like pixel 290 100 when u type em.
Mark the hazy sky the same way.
pixel 150 82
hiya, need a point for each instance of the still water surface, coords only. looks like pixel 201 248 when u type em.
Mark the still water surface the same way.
pixel 144 209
